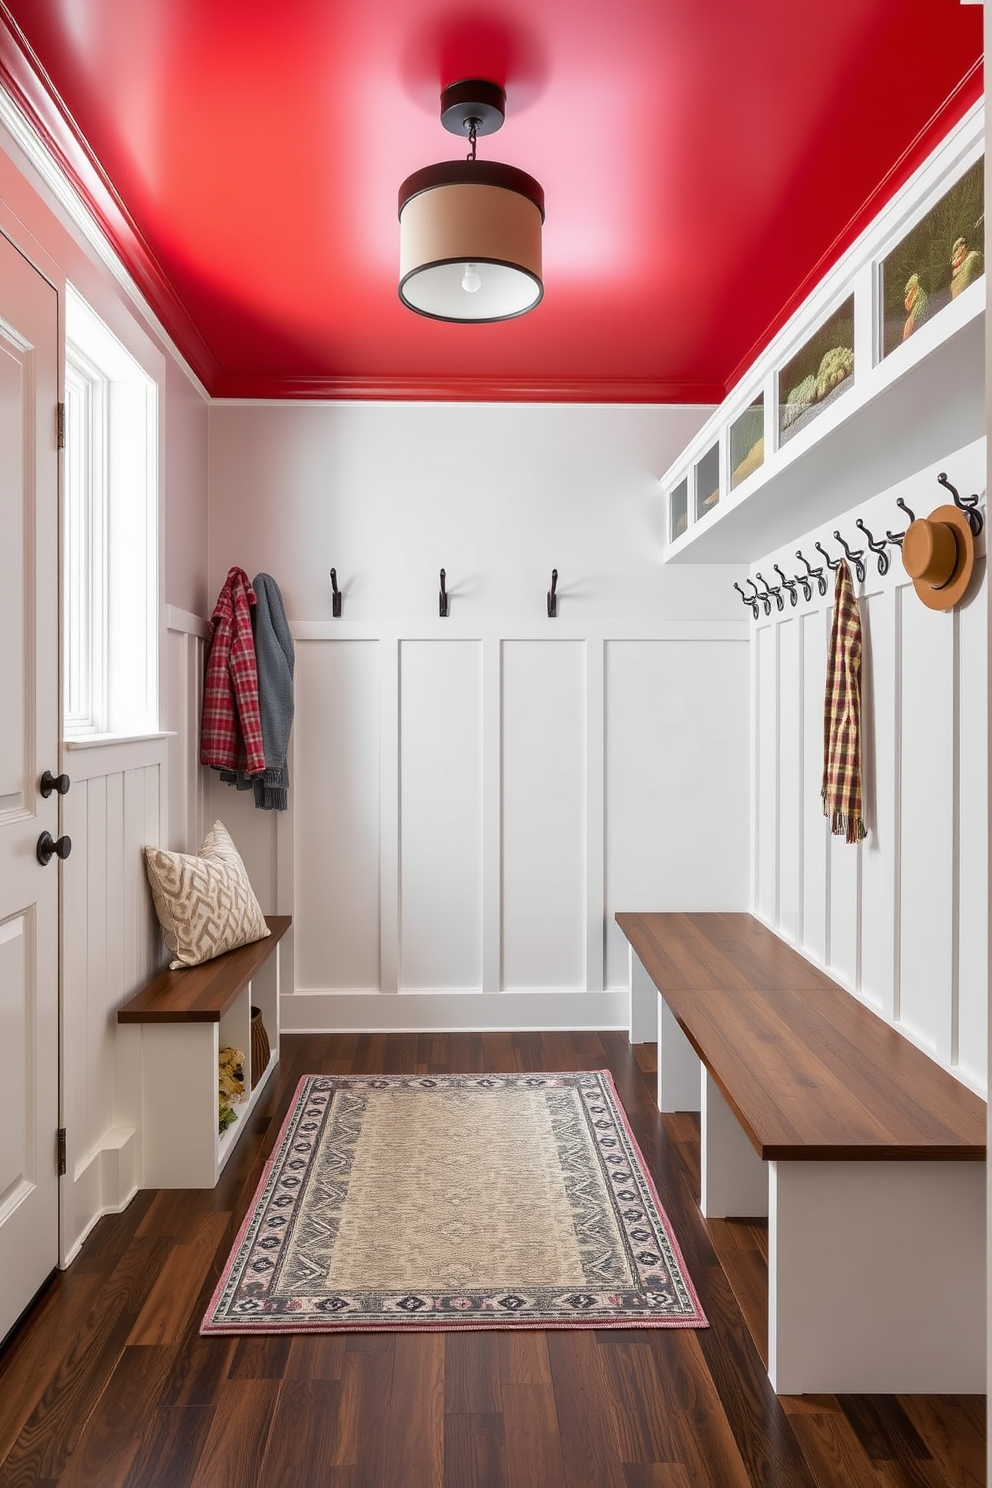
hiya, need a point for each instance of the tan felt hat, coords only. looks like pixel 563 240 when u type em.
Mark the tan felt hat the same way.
pixel 938 553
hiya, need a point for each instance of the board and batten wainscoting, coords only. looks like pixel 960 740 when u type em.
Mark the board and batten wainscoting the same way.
pixel 116 804
pixel 474 796
pixel 496 794
pixel 125 793
pixel 901 920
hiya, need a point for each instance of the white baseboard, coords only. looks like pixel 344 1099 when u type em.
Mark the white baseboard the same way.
pixel 523 1011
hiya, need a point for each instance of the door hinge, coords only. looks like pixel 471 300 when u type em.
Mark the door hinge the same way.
pixel 60 424
pixel 60 1140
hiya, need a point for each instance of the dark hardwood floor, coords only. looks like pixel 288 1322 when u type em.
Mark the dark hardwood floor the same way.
pixel 107 1383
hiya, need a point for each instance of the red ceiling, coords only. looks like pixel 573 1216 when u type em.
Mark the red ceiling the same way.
pixel 704 162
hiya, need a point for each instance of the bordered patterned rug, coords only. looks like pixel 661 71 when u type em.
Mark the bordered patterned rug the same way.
pixel 454 1201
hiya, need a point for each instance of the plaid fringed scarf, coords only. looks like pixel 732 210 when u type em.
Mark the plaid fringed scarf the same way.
pixel 842 716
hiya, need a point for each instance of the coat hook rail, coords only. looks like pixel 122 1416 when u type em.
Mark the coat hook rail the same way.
pixel 442 603
pixel 967 504
pixel 776 594
pixel 335 595
pixel 790 585
pixel 878 548
pixel 857 557
pixel 552 596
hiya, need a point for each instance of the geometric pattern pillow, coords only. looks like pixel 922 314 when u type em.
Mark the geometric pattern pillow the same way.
pixel 204 902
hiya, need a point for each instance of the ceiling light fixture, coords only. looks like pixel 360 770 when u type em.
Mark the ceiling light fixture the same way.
pixel 470 230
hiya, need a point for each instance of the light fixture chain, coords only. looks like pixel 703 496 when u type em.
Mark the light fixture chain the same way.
pixel 473 129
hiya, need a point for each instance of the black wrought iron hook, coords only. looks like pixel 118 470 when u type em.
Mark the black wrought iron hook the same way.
pixel 335 595
pixel 789 584
pixel 967 504
pixel 751 601
pixel 811 573
pixel 764 598
pixel 552 596
pixel 442 604
pixel 895 538
pixel 830 562
pixel 775 593
pixel 855 557
pixel 880 549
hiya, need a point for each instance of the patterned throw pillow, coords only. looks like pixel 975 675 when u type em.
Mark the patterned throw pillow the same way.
pixel 205 903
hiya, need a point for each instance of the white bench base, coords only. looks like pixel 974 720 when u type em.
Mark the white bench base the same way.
pixel 876 1275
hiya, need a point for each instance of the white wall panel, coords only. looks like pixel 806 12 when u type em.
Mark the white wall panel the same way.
pixel 184 659
pixel 815 631
pixel 544 786
pixel 336 786
pixel 844 911
pixel 880 851
pixel 381 493
pixel 902 918
pixel 677 763
pixel 927 814
pixel 971 1039
pixel 790 817
pixel 766 729
pixel 441 814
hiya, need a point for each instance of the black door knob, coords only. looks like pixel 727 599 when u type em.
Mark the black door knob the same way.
pixel 49 847
pixel 50 782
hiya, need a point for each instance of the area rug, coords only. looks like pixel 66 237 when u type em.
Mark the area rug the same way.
pixel 454 1201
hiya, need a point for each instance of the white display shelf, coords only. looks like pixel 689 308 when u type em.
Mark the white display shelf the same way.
pixel 898 413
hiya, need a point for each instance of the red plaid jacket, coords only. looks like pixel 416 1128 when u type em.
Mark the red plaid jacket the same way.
pixel 232 733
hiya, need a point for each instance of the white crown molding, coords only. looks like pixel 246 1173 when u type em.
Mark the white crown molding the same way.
pixel 27 140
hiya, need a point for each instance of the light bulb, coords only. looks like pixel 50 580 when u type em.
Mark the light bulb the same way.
pixel 470 279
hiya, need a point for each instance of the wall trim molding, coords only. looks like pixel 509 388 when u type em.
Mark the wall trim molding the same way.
pixel 519 1011
pixel 593 632
pixel 184 622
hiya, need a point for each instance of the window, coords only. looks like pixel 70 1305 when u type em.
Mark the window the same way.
pixel 110 566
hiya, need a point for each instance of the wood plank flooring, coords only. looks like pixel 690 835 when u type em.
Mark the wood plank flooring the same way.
pixel 107 1384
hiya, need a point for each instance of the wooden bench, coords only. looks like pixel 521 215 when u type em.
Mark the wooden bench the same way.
pixel 867 1156
pixel 186 1017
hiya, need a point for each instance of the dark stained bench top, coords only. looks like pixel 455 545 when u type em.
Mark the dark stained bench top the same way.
pixel 203 994
pixel 808 1070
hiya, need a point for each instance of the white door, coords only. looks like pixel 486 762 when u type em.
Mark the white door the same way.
pixel 29 704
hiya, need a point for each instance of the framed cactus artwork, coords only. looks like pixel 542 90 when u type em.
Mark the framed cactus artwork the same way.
pixel 818 374
pixel 935 261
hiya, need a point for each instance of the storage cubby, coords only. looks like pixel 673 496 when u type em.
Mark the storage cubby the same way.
pixel 708 481
pixel 186 1017
pixel 679 509
pixel 855 380
pixel 747 442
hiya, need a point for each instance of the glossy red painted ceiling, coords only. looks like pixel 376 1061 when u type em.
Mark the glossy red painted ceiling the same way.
pixel 704 161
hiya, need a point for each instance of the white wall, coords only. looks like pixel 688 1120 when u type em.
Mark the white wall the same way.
pixel 901 919
pixel 473 798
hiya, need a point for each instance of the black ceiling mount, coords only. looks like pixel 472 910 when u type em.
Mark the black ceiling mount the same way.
pixel 476 99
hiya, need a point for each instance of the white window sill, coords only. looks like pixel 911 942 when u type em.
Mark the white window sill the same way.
pixel 94 741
